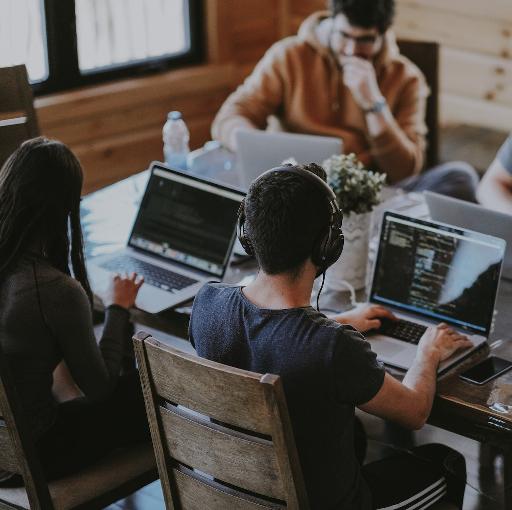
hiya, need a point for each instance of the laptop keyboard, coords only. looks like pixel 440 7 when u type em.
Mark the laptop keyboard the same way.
pixel 402 330
pixel 153 275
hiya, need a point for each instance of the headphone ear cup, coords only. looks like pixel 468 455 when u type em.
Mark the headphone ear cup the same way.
pixel 330 246
pixel 240 228
pixel 319 252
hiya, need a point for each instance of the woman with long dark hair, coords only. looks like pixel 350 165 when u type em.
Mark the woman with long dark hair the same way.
pixel 46 315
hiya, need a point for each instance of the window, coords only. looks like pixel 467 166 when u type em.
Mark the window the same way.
pixel 70 43
pixel 23 38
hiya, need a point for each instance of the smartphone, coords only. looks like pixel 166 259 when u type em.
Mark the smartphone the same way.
pixel 486 370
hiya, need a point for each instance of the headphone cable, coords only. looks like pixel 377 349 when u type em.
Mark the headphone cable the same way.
pixel 319 292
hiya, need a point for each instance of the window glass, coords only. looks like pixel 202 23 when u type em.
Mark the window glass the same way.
pixel 23 37
pixel 119 32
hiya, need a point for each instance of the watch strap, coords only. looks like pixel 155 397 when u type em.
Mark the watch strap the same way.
pixel 376 107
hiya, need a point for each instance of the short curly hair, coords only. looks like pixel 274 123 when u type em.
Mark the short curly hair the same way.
pixel 365 13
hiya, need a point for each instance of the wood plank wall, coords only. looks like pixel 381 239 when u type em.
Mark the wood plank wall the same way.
pixel 476 55
pixel 116 128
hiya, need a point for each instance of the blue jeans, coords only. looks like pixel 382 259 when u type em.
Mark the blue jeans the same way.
pixel 454 179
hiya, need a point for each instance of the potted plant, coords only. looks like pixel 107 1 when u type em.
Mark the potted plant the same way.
pixel 358 192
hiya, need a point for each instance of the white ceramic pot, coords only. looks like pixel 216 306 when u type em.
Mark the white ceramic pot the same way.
pixel 351 266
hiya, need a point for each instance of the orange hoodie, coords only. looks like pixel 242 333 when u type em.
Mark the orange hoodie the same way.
pixel 299 82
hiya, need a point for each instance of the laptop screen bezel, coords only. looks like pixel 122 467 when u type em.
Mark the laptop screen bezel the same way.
pixel 448 228
pixel 193 178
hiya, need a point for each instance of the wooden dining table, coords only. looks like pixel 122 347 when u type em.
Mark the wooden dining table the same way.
pixel 482 413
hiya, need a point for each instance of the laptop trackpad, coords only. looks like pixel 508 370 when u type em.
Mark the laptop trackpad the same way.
pixel 384 348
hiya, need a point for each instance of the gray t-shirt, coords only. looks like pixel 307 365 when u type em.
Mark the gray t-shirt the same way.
pixel 505 154
pixel 326 370
pixel 40 329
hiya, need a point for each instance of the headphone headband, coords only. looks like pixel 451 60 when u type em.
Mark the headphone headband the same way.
pixel 310 176
pixel 327 249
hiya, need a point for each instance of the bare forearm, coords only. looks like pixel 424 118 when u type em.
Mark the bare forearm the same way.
pixel 394 152
pixel 421 378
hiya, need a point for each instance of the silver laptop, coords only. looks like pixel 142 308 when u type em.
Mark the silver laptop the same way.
pixel 258 151
pixel 182 237
pixel 475 217
pixel 428 273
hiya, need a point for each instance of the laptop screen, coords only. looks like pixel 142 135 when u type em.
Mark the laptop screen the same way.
pixel 437 271
pixel 188 220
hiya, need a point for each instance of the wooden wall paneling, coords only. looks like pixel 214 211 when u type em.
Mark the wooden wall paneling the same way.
pixel 494 9
pixel 303 8
pixel 117 157
pixel 475 76
pixel 456 30
pixel 219 24
pixel 459 109
pixel 299 11
pixel 284 18
pixel 257 28
pixel 127 93
pixel 149 115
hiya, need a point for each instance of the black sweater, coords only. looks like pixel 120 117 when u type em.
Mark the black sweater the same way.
pixel 43 324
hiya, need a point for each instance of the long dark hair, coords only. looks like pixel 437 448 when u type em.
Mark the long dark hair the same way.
pixel 40 186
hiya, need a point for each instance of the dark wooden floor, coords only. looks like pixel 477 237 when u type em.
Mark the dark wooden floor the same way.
pixel 477 146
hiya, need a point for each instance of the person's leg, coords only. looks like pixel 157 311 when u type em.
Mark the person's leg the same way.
pixel 417 479
pixel 454 179
pixel 453 465
pixel 85 432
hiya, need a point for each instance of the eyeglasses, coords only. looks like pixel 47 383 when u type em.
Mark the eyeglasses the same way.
pixel 340 38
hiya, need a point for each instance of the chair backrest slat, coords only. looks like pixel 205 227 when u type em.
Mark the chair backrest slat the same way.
pixel 240 397
pixel 17 450
pixel 197 493
pixel 18 120
pixel 8 454
pixel 236 458
pixel 222 436
pixel 425 54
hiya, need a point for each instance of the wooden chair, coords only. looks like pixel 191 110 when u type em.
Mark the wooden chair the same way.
pixel 238 453
pixel 426 56
pixel 115 477
pixel 18 121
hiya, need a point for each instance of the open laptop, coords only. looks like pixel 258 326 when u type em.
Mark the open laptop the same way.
pixel 258 151
pixel 182 237
pixel 475 217
pixel 428 273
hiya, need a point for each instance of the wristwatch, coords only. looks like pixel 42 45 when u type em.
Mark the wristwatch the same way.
pixel 376 107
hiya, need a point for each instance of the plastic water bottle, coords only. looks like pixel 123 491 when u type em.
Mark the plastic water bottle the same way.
pixel 175 136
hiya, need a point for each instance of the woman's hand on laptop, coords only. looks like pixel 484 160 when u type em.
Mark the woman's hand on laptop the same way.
pixel 442 341
pixel 123 290
pixel 364 317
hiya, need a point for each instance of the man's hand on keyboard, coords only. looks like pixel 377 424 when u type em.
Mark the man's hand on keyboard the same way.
pixel 364 317
pixel 123 290
pixel 442 341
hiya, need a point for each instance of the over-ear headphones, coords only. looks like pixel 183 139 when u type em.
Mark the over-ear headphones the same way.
pixel 328 247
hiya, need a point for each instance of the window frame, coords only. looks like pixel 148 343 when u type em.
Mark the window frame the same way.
pixel 62 51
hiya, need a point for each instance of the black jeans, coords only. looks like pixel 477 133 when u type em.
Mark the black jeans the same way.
pixel 454 179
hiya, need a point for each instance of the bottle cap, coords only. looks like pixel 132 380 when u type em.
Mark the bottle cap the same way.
pixel 174 115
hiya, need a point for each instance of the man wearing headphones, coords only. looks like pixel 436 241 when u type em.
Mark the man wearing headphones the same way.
pixel 291 223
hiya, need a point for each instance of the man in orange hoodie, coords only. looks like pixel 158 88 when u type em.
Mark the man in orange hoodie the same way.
pixel 343 76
